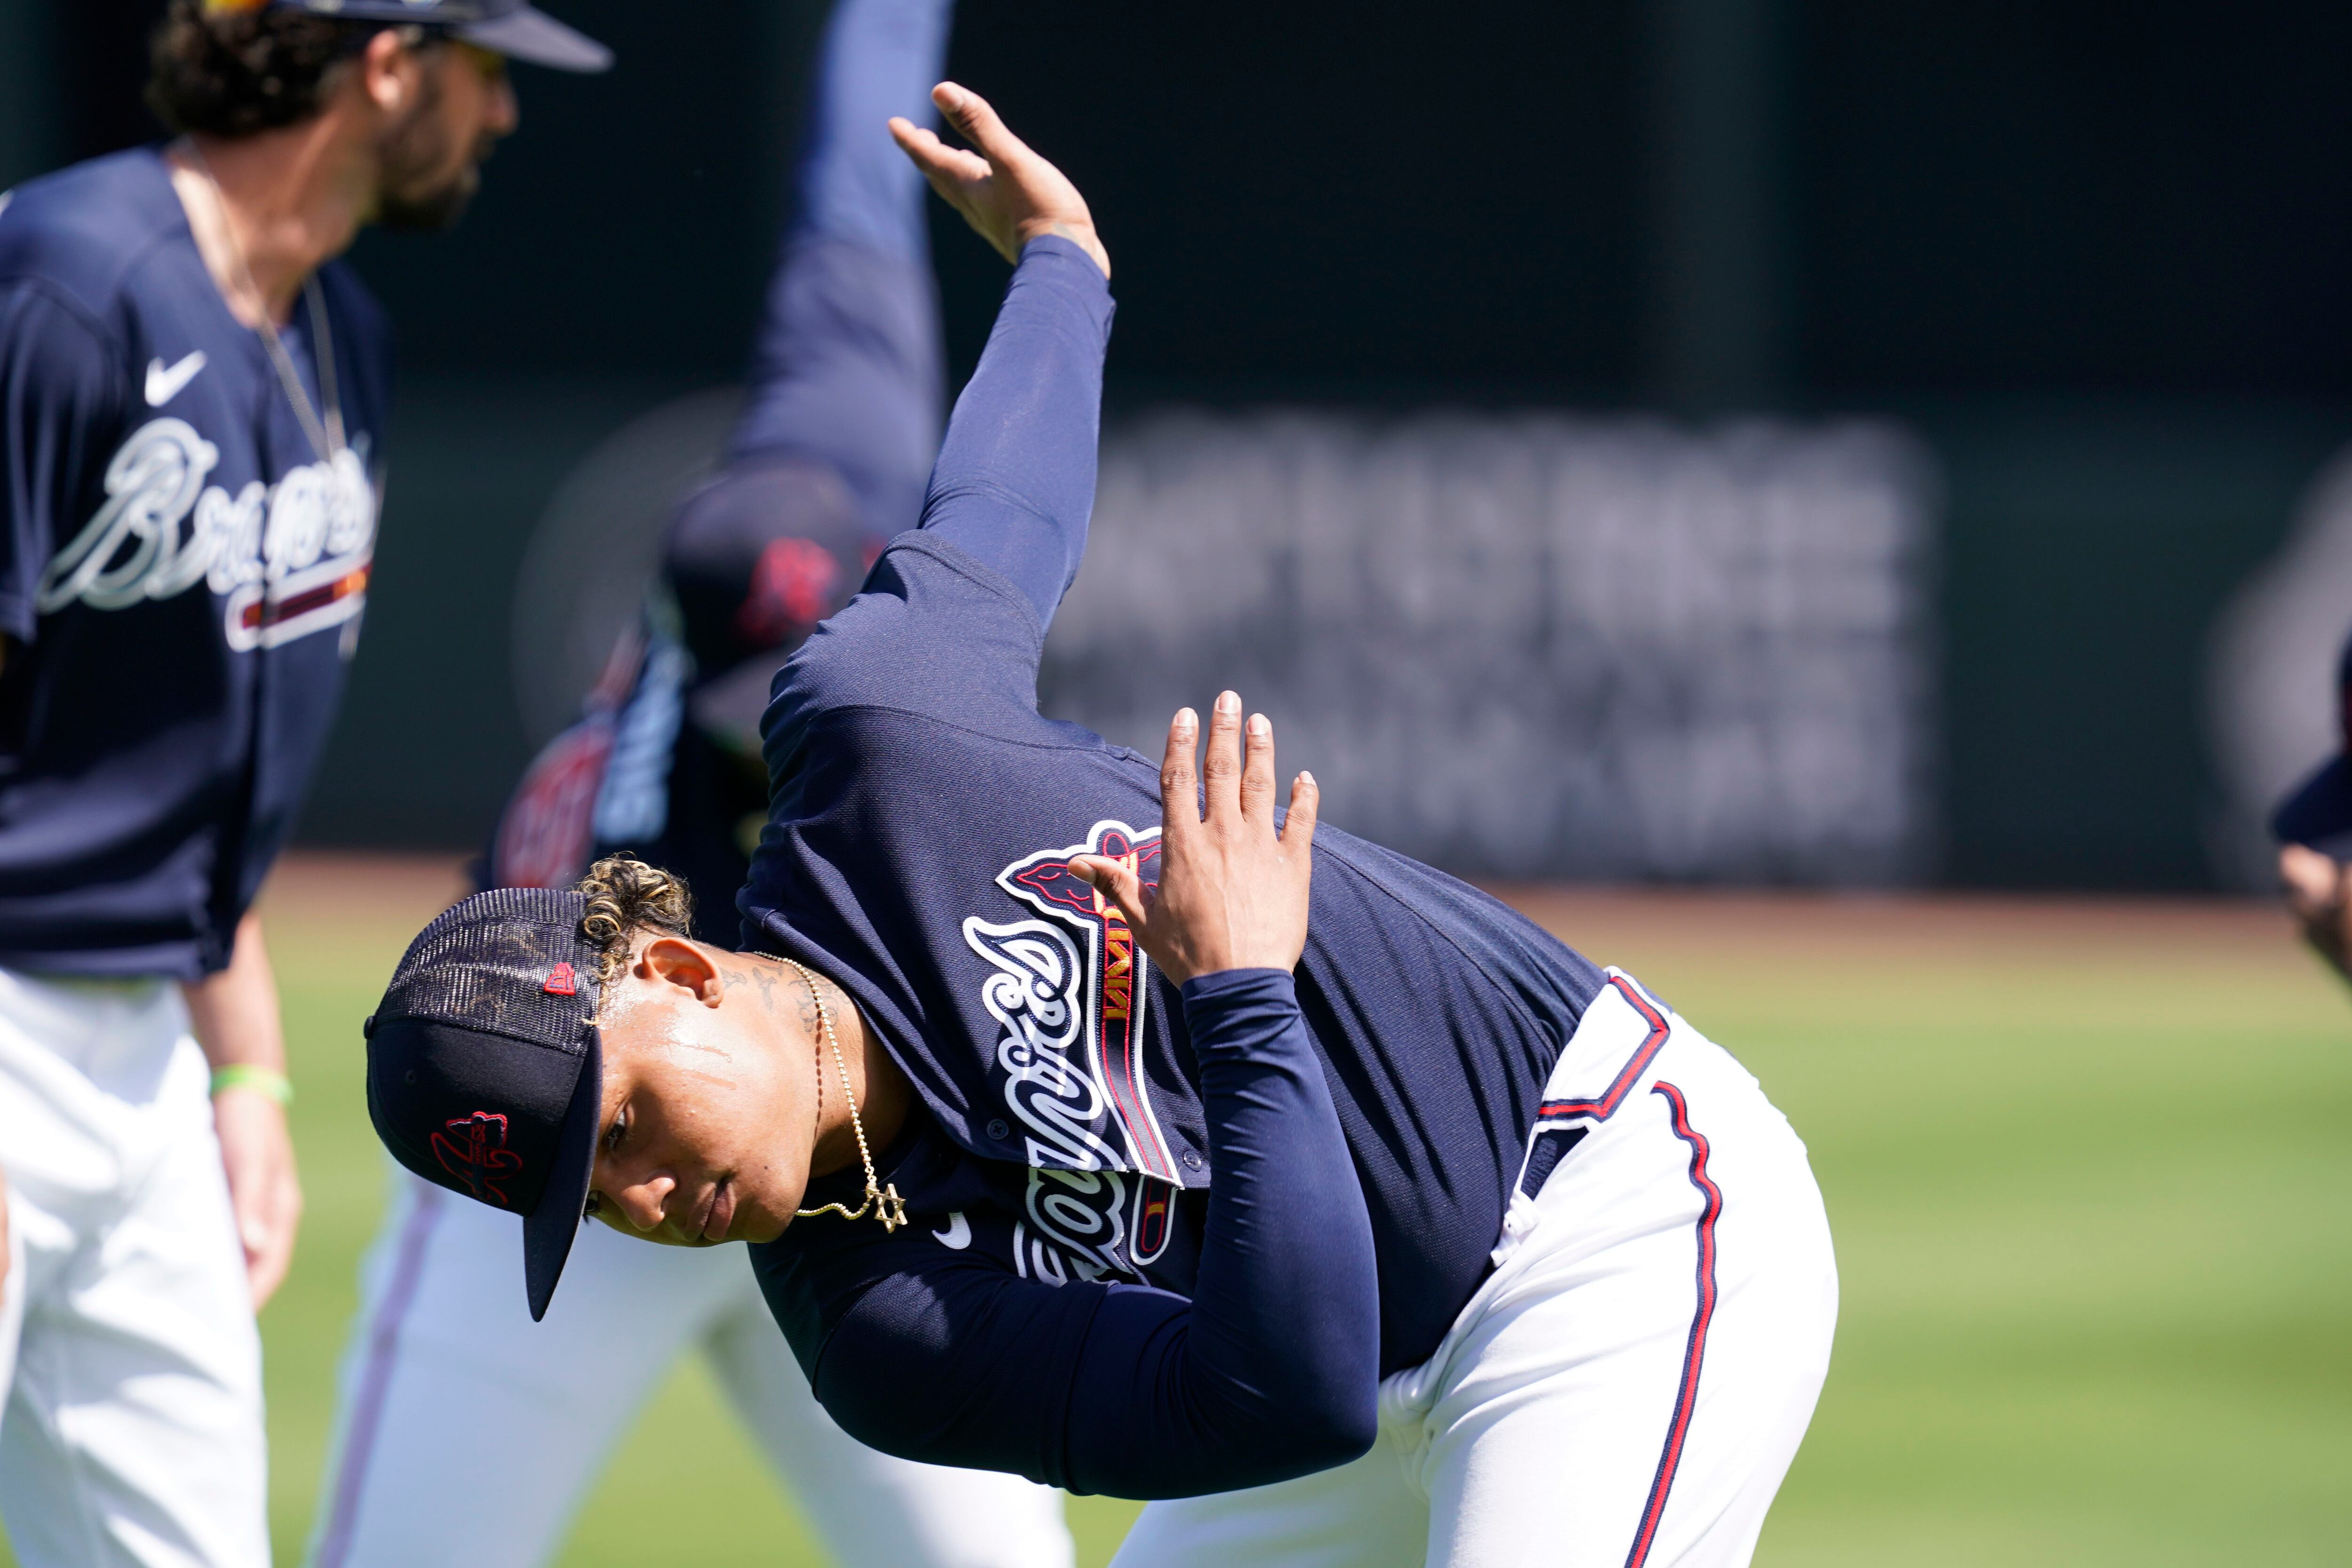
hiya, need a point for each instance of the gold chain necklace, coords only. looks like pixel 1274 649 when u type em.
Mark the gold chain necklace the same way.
pixel 883 1202
pixel 326 437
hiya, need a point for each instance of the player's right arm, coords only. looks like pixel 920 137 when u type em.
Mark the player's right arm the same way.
pixel 1014 483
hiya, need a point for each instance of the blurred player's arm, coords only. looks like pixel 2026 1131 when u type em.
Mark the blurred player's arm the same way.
pixel 236 1018
pixel 2319 890
pixel 1015 480
pixel 63 408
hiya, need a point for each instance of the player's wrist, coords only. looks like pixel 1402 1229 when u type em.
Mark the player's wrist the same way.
pixel 253 1078
pixel 1079 232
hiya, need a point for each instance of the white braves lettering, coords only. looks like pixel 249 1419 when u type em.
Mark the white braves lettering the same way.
pixel 1077 1195
pixel 1035 994
pixel 289 559
pixel 1101 1177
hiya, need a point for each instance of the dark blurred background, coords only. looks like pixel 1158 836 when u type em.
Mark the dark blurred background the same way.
pixel 2092 255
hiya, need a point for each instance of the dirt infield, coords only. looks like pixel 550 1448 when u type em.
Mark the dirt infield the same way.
pixel 1938 927
pixel 343 886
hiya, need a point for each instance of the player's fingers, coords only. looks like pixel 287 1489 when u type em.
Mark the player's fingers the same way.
pixel 1257 770
pixel 1116 882
pixel 1221 759
pixel 1306 803
pixel 1180 803
pixel 978 124
pixel 943 165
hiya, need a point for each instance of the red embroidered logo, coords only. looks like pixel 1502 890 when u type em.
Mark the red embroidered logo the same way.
pixel 792 588
pixel 561 982
pixel 474 1150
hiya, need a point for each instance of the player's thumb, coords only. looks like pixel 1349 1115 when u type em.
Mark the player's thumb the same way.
pixel 1115 881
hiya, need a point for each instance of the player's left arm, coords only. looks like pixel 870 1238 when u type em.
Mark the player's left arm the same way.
pixel 236 1018
pixel 1014 484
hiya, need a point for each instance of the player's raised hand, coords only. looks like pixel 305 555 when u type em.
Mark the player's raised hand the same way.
pixel 1232 891
pixel 1008 194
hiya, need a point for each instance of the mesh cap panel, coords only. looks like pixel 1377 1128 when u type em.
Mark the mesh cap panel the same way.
pixel 486 964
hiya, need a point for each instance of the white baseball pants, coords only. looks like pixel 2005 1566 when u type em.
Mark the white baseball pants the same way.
pixel 1628 1387
pixel 451 1392
pixel 133 1432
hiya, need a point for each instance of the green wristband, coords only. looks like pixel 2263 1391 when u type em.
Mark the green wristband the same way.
pixel 245 1074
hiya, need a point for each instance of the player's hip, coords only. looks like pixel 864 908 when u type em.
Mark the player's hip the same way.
pixel 1661 1188
pixel 98 1081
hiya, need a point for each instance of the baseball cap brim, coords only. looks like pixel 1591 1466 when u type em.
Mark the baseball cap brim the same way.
pixel 540 39
pixel 2319 814
pixel 550 1230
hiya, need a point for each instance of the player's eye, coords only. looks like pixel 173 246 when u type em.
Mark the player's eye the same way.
pixel 618 1131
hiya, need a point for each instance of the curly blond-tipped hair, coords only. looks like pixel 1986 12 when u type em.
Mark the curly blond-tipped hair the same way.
pixel 624 896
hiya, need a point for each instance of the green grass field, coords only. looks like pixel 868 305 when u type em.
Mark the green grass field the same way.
pixel 2088 1164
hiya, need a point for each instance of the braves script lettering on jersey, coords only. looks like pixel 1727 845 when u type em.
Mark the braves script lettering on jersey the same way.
pixel 174 548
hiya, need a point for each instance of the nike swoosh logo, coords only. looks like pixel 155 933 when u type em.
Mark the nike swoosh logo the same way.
pixel 163 384
pixel 958 1234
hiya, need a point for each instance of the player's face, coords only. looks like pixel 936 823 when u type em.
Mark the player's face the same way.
pixel 706 1131
pixel 430 158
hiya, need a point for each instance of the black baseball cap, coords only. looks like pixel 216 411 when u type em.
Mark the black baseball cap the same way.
pixel 510 28
pixel 755 560
pixel 485 1070
pixel 2318 815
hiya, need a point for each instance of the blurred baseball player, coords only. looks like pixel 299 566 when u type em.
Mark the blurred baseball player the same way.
pixel 1079 1133
pixel 829 460
pixel 2313 827
pixel 193 399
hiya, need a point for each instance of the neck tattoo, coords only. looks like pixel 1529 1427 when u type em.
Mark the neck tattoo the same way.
pixel 883 1202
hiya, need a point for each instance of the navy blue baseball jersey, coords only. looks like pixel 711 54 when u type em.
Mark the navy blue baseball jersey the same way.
pixel 181 574
pixel 921 820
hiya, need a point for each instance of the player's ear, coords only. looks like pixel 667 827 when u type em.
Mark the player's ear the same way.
pixel 390 72
pixel 673 960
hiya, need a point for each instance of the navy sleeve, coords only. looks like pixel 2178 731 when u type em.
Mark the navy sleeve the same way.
pixel 61 411
pixel 1014 484
pixel 1270 1370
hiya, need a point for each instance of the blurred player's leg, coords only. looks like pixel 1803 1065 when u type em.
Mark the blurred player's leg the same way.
pixel 451 1392
pixel 870 1507
pixel 12 1302
pixel 847 369
pixel 133 1429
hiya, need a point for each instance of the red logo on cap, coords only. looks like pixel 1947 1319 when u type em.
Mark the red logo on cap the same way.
pixel 474 1151
pixel 561 982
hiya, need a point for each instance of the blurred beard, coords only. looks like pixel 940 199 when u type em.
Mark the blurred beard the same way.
pixel 417 191
pixel 429 210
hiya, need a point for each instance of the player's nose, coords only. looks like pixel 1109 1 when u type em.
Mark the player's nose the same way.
pixel 503 114
pixel 642 1203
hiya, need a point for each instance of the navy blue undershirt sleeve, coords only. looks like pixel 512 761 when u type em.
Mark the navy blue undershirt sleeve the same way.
pixel 61 409
pixel 1014 484
pixel 1270 1370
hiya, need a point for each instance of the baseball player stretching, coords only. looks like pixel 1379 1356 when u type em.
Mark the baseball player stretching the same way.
pixel 1360 1222
pixel 192 396
pixel 829 460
